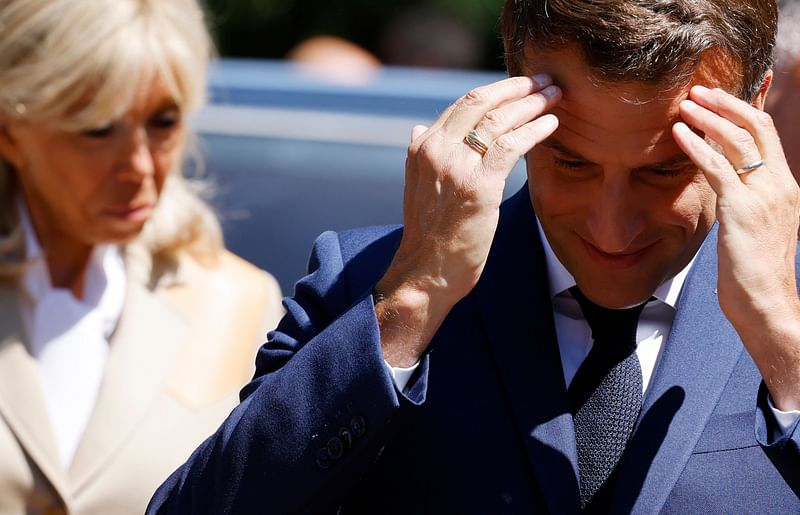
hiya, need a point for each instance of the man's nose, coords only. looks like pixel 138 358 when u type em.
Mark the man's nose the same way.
pixel 615 217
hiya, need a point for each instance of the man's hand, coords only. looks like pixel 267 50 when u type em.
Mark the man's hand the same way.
pixel 451 206
pixel 758 212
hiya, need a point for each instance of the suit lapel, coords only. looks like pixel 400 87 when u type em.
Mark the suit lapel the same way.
pixel 143 349
pixel 22 402
pixel 514 297
pixel 697 361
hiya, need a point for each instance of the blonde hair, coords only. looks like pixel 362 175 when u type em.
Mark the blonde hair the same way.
pixel 76 64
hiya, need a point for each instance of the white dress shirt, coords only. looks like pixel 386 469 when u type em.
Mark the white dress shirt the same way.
pixel 69 337
pixel 655 322
pixel 575 336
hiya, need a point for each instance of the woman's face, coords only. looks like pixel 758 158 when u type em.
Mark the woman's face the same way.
pixel 99 185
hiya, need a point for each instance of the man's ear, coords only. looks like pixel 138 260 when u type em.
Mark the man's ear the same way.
pixel 760 100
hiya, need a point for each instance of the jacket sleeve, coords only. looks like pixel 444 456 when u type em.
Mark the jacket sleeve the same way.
pixel 318 412
pixel 769 436
pixel 780 444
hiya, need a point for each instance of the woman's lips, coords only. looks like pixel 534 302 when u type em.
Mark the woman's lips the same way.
pixel 618 260
pixel 137 213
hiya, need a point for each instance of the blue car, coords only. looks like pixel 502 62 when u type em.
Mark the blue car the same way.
pixel 292 154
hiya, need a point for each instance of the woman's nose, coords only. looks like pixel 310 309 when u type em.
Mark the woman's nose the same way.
pixel 137 157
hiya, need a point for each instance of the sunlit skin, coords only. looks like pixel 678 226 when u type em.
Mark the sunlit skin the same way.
pixel 627 179
pixel 622 206
pixel 96 186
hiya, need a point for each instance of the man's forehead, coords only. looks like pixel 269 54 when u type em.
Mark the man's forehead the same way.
pixel 607 118
pixel 572 73
pixel 628 123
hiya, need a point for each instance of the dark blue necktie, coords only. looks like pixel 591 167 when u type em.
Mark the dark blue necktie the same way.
pixel 606 393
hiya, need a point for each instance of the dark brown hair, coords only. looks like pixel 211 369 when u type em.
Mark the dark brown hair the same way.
pixel 651 41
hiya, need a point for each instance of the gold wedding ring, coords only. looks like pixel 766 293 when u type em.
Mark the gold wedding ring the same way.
pixel 750 167
pixel 474 140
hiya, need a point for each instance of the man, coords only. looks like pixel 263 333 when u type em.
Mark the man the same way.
pixel 784 98
pixel 636 144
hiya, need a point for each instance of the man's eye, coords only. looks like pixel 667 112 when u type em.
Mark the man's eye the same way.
pixel 670 173
pixel 99 132
pixel 568 163
pixel 667 173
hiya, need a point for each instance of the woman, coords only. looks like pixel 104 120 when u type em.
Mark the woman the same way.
pixel 126 329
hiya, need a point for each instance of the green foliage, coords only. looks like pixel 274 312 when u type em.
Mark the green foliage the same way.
pixel 269 28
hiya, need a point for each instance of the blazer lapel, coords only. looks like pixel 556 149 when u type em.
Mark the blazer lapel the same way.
pixel 514 296
pixel 698 358
pixel 143 349
pixel 22 402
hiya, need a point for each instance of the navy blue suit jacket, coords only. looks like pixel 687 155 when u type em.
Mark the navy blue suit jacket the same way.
pixel 484 426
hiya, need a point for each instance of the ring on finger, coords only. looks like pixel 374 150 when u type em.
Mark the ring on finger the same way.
pixel 750 167
pixel 476 142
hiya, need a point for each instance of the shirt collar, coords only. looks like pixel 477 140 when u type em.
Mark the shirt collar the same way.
pixel 105 284
pixel 561 280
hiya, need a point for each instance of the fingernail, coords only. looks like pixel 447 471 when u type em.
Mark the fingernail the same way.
pixel 542 79
pixel 550 121
pixel 681 127
pixel 550 91
pixel 700 90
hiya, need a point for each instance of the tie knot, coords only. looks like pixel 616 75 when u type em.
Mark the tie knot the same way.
pixel 615 327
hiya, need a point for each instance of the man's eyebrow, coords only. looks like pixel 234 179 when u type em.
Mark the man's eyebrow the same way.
pixel 559 147
pixel 679 161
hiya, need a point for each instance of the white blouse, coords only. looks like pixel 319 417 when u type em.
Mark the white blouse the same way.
pixel 69 337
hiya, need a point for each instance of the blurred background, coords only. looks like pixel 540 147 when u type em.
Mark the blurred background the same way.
pixel 444 33
pixel 311 109
pixel 312 104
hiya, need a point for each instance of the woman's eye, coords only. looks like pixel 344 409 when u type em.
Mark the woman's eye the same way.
pixel 166 119
pixel 99 132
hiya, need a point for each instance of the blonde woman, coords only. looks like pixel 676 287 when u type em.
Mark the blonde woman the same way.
pixel 126 329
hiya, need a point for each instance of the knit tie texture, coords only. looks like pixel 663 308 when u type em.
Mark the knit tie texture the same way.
pixel 606 393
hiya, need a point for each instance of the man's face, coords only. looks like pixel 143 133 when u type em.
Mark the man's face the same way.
pixel 622 207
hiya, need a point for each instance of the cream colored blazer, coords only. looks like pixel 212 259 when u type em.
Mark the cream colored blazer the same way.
pixel 168 384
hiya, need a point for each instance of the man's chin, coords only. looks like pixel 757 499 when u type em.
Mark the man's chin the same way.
pixel 617 294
